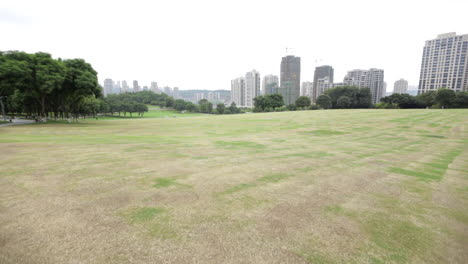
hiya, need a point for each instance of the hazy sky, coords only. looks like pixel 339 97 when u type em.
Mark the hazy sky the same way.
pixel 203 44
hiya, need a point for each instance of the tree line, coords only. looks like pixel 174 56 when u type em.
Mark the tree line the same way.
pixel 441 98
pixel 339 97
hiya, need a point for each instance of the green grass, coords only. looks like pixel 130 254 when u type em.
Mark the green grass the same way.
pixel 144 214
pixel 334 186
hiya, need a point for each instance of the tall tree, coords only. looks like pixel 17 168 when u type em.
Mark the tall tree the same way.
pixel 220 108
pixel 445 97
pixel 324 101
pixel 303 101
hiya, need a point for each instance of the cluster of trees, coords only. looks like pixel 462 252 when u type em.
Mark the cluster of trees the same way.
pixel 339 97
pixel 123 104
pixel 38 85
pixel 442 98
pixel 204 106
pixel 345 97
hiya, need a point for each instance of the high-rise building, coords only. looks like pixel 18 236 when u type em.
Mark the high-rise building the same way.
pixel 108 87
pixel 306 88
pixel 136 87
pixel 154 87
pixel 199 96
pixel 400 86
pixel 175 93
pixel 238 91
pixel 321 72
pixel 290 82
pixel 270 84
pixel 322 85
pixel 125 87
pixel 252 87
pixel 168 90
pixel 372 79
pixel 145 88
pixel 445 63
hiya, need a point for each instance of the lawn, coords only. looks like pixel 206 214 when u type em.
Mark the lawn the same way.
pixel 334 186
pixel 153 112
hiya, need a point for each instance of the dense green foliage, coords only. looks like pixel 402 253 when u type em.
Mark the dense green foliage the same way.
pixel 442 98
pixel 268 103
pixel 37 84
pixel 303 102
pixel 349 97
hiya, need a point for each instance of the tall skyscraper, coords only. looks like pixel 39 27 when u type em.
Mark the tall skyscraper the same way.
pixel 252 87
pixel 400 86
pixel 108 87
pixel 175 93
pixel 290 83
pixel 444 63
pixel 154 87
pixel 270 84
pixel 372 79
pixel 238 91
pixel 136 87
pixel 321 72
pixel 168 90
pixel 125 87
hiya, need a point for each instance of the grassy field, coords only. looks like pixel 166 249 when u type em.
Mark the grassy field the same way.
pixel 336 186
pixel 154 112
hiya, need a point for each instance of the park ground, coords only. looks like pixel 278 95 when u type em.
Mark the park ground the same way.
pixel 333 186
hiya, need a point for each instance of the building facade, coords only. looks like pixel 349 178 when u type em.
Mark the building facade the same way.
pixel 400 87
pixel 238 91
pixel 252 87
pixel 444 63
pixel 108 87
pixel 154 87
pixel 168 90
pixel 175 93
pixel 306 89
pixel 372 79
pixel 136 87
pixel 321 86
pixel 321 72
pixel 290 82
pixel 270 84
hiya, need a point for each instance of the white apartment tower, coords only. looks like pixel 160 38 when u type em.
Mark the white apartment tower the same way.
pixel 252 87
pixel 323 84
pixel 372 79
pixel 444 63
pixel 400 86
pixel 108 87
pixel 238 91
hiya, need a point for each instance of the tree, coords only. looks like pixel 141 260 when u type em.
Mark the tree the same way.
pixel 47 75
pixel 461 100
pixel 12 76
pixel 220 108
pixel 445 97
pixel 233 108
pixel 426 99
pixel 179 105
pixel 275 100
pixel 259 103
pixel 324 101
pixel 303 101
pixel 205 106
pixel 343 102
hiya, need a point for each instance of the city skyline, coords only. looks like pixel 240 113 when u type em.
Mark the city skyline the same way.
pixel 147 42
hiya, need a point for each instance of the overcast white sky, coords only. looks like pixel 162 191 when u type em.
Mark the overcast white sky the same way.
pixel 203 44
